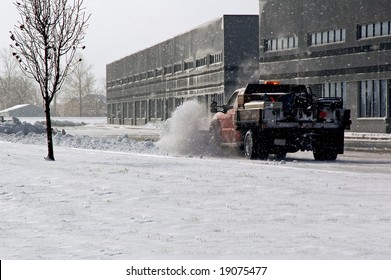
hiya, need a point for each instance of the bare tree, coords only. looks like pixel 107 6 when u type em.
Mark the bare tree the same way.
pixel 45 42
pixel 15 88
pixel 80 83
pixel 6 78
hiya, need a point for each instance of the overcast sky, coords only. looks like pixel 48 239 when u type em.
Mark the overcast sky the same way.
pixel 118 28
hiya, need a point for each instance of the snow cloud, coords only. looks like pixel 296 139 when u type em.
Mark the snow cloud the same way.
pixel 182 134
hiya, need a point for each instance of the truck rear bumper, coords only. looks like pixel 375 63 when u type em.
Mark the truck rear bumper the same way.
pixel 290 140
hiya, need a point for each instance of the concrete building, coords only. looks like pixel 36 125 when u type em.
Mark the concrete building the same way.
pixel 206 63
pixel 340 48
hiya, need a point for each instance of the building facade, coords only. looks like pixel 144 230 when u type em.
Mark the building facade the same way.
pixel 206 63
pixel 339 48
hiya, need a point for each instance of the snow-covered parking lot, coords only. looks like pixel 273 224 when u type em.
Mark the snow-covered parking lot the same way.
pixel 101 202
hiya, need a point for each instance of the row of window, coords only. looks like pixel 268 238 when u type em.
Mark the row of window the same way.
pixel 170 69
pixel 374 30
pixel 156 109
pixel 372 96
pixel 370 30
pixel 328 37
pixel 283 43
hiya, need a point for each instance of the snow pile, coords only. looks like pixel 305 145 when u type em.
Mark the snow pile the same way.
pixel 26 133
pixel 185 133
pixel 17 127
pixel 181 133
pixel 61 123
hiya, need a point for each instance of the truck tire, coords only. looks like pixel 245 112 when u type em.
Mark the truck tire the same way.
pixel 251 146
pixel 281 156
pixel 323 155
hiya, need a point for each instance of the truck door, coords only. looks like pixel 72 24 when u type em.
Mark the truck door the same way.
pixel 229 134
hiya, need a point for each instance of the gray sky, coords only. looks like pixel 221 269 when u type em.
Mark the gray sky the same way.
pixel 118 28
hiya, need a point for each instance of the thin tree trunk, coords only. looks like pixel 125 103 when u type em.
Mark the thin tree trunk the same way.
pixel 81 108
pixel 80 99
pixel 49 132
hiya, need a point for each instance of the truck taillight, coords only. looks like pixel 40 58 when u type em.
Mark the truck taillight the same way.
pixel 322 115
pixel 272 82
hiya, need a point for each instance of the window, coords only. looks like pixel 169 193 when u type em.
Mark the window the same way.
pixel 159 72
pixel 217 97
pixel 189 65
pixel 136 77
pixel 327 37
pixel 168 70
pixel 143 76
pixel 201 62
pixel 150 74
pixel 374 30
pixel 283 43
pixel 373 98
pixel 291 42
pixel 216 58
pixel 335 89
pixel 178 67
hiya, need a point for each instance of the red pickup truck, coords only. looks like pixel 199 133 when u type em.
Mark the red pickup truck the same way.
pixel 274 118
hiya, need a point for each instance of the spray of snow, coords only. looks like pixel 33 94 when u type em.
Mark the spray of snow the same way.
pixel 184 133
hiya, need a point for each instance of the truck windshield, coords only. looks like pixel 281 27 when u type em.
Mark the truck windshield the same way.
pixel 232 100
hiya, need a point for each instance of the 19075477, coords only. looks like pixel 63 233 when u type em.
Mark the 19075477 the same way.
pixel 243 270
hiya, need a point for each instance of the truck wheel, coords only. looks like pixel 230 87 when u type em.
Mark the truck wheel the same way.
pixel 323 155
pixel 250 146
pixel 263 156
pixel 281 156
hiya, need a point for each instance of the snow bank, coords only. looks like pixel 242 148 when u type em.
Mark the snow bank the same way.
pixel 61 123
pixel 17 127
pixel 179 135
pixel 185 133
pixel 26 133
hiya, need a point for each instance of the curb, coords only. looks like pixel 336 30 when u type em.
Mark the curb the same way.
pixel 368 142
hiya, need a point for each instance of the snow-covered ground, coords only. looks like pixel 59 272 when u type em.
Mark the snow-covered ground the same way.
pixel 115 198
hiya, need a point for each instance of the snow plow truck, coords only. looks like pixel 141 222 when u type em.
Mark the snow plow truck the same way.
pixel 273 118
